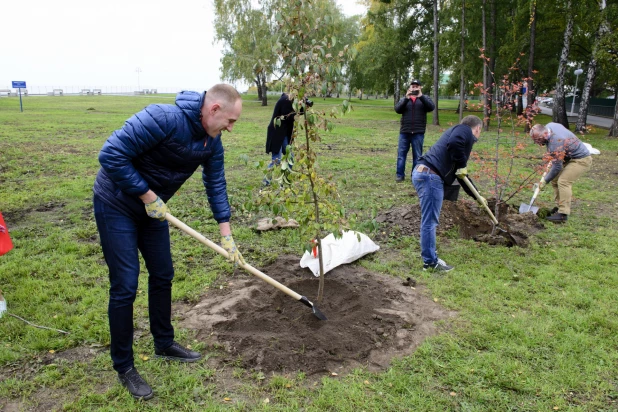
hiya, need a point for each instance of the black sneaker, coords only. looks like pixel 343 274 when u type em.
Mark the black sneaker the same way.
pixel 558 218
pixel 177 352
pixel 135 384
pixel 439 266
pixel 554 210
pixel 399 179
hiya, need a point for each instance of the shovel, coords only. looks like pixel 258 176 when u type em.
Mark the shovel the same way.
pixel 180 225
pixel 488 210
pixel 524 208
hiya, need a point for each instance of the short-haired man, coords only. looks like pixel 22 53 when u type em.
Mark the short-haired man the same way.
pixel 413 109
pixel 570 160
pixel 142 165
pixel 444 162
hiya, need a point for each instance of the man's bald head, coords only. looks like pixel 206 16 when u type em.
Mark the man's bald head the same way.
pixel 221 109
pixel 539 134
pixel 223 94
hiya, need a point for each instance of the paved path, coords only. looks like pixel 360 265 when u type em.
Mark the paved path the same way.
pixel 604 122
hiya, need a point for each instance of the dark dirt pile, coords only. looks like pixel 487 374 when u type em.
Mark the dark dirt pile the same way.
pixel 471 222
pixel 371 319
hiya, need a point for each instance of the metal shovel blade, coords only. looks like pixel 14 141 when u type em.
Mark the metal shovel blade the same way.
pixel 525 208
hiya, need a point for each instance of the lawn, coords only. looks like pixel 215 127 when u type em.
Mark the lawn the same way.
pixel 536 327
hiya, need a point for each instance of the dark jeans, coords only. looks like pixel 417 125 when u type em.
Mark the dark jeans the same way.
pixel 430 189
pixel 121 239
pixel 276 157
pixel 415 140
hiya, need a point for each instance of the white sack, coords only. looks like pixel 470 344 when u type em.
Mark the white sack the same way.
pixel 337 252
pixel 591 149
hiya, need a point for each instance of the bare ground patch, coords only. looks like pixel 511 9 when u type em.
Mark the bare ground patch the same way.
pixel 371 319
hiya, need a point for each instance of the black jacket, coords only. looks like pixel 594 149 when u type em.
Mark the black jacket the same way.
pixel 449 153
pixel 414 114
pixel 276 134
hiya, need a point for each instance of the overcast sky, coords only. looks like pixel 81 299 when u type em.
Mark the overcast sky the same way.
pixel 97 44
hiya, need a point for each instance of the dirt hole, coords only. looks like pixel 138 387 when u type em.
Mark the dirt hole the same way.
pixel 469 221
pixel 371 319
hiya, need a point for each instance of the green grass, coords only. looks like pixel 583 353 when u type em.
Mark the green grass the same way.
pixel 536 328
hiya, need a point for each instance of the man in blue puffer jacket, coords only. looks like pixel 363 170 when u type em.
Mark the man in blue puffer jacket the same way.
pixel 142 165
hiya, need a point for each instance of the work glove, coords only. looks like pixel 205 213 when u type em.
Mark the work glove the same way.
pixel 227 243
pixel 481 201
pixel 157 209
pixel 542 184
pixel 461 173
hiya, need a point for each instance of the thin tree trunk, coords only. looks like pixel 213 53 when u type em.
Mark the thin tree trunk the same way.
pixel 462 85
pixel 613 131
pixel 397 87
pixel 484 94
pixel 264 91
pixel 580 126
pixel 436 69
pixel 559 111
pixel 531 93
pixel 259 87
pixel 492 60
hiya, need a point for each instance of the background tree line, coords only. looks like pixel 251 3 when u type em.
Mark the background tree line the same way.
pixel 451 45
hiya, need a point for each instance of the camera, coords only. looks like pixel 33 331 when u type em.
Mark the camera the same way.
pixel 414 93
pixel 309 103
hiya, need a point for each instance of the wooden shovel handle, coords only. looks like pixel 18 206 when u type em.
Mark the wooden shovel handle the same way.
pixel 478 197
pixel 191 232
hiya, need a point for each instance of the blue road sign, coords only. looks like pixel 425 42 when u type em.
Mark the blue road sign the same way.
pixel 19 85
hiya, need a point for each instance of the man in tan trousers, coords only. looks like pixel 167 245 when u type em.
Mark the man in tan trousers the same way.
pixel 570 160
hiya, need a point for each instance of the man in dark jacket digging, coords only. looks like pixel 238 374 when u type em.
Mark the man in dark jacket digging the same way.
pixel 445 161
pixel 413 110
pixel 570 160
pixel 142 165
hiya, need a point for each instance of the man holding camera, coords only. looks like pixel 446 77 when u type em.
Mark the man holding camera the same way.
pixel 413 109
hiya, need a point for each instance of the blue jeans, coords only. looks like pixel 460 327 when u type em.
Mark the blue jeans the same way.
pixel 430 189
pixel 405 141
pixel 276 157
pixel 121 239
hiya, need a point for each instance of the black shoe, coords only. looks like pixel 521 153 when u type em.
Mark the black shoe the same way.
pixel 554 210
pixel 439 266
pixel 558 217
pixel 399 179
pixel 135 384
pixel 177 352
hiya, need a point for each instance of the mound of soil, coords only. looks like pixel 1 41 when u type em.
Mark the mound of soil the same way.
pixel 371 319
pixel 470 221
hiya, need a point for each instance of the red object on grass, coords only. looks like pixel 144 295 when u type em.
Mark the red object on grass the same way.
pixel 5 240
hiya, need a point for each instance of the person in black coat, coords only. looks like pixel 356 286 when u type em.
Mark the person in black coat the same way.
pixel 413 110
pixel 279 137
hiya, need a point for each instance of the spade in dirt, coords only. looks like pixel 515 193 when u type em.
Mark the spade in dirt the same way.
pixel 491 215
pixel 191 232
pixel 525 208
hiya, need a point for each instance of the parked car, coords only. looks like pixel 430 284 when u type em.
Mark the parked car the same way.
pixel 545 101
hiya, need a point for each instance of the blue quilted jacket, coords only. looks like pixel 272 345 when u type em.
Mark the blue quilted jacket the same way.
pixel 159 148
